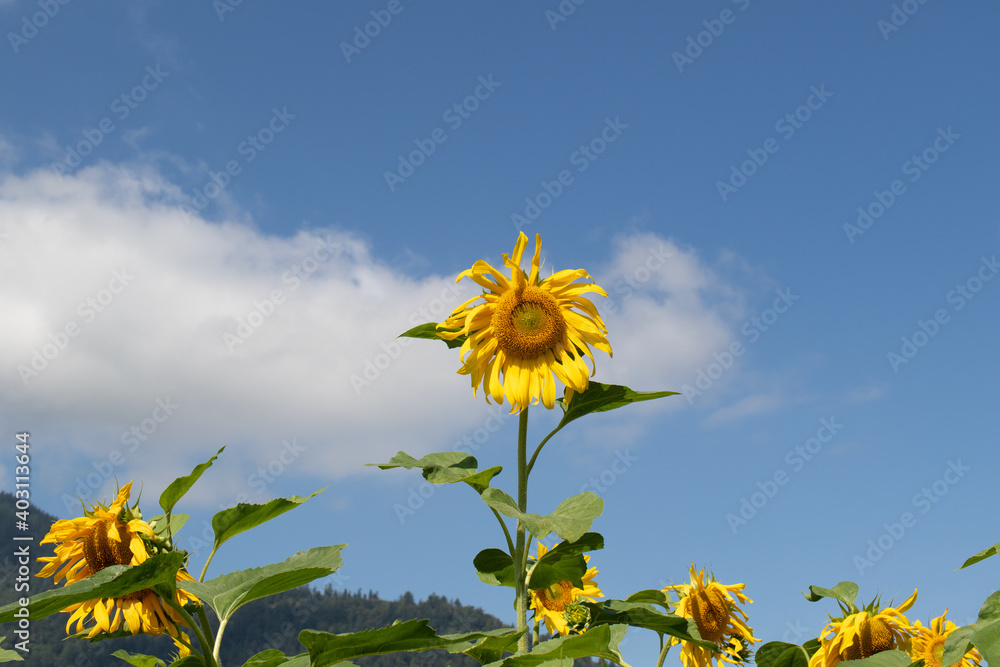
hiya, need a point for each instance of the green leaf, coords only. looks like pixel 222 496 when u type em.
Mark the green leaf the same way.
pixel 139 659
pixel 273 658
pixel 883 659
pixel 845 591
pixel 180 486
pixel 228 592
pixel 161 527
pixel 445 468
pixel 564 562
pixel 113 581
pixel 642 615
pixel 982 555
pixel 601 397
pixel 9 655
pixel 570 521
pixel 957 644
pixel 490 648
pixel 415 635
pixel 650 596
pixel 494 567
pixel 781 654
pixel 599 642
pixel 431 332
pixel 986 630
pixel 231 522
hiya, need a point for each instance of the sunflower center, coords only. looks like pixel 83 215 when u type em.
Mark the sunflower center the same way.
pixel 528 323
pixel 873 637
pixel 100 550
pixel 557 596
pixel 710 611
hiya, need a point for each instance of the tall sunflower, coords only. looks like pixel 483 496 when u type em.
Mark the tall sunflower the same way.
pixel 928 644
pixel 550 604
pixel 104 536
pixel 528 330
pixel 719 618
pixel 863 633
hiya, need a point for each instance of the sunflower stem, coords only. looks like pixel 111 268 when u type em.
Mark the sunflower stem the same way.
pixel 664 647
pixel 205 569
pixel 538 449
pixel 506 533
pixel 206 645
pixel 218 641
pixel 521 551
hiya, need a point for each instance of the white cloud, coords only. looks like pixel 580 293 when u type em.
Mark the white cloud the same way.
pixel 747 406
pixel 106 255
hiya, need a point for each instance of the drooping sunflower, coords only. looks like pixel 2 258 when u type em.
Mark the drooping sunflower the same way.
pixel 864 633
pixel 550 604
pixel 719 618
pixel 105 536
pixel 928 644
pixel 528 330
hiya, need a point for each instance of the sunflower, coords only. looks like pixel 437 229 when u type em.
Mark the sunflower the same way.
pixel 719 618
pixel 104 536
pixel 527 329
pixel 551 603
pixel 864 633
pixel 928 643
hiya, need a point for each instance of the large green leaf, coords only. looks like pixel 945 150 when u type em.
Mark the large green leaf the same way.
pixel 431 332
pixel 986 631
pixel 138 659
pixel 845 591
pixel 884 659
pixel 494 567
pixel 600 397
pixel 957 644
pixel 982 555
pixel 564 562
pixel 415 635
pixel 599 642
pixel 163 526
pixel 781 654
pixel 650 596
pixel 445 468
pixel 643 615
pixel 180 486
pixel 9 655
pixel 228 592
pixel 570 521
pixel 113 581
pixel 231 522
pixel 492 647
pixel 275 658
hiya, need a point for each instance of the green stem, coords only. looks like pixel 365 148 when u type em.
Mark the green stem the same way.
pixel 218 640
pixel 205 569
pixel 521 551
pixel 206 645
pixel 506 533
pixel 664 647
pixel 203 619
pixel 538 449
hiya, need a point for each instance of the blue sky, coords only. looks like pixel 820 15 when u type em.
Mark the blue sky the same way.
pixel 792 207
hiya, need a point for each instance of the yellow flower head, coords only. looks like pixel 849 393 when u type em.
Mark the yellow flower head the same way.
pixel 526 329
pixel 719 618
pixel 551 603
pixel 928 644
pixel 864 633
pixel 104 536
